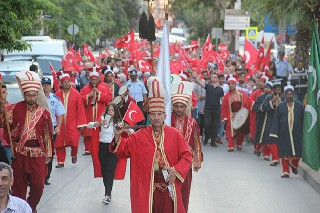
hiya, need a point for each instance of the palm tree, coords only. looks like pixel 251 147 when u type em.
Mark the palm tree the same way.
pixel 297 11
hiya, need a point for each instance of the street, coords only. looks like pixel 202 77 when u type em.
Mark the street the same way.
pixel 227 182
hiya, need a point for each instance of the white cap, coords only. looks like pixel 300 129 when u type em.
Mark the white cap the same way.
pixel 288 87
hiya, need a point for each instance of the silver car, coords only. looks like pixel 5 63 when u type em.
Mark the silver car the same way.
pixel 8 70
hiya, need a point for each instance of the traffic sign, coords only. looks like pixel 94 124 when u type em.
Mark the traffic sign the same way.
pixel 251 32
pixel 236 19
pixel 73 29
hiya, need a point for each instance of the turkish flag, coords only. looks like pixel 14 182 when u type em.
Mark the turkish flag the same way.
pixel 266 60
pixel 207 46
pixel 133 114
pixel 260 56
pixel 176 67
pixel 250 53
pixel 125 41
pixel 142 64
pixel 87 52
pixel 56 84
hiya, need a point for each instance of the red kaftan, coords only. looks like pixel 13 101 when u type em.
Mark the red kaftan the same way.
pixel 250 101
pixel 73 119
pixel 141 148
pixel 191 132
pixel 93 112
pixel 226 112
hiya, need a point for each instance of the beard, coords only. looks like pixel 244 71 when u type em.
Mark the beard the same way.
pixel 30 102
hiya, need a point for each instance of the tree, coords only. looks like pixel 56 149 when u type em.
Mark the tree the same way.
pixel 18 18
pixel 286 11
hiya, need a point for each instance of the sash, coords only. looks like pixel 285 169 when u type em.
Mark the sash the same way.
pixel 189 132
pixel 26 133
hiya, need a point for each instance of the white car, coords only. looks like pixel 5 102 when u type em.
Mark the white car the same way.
pixel 8 70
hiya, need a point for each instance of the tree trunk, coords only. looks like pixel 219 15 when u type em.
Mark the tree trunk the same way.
pixel 303 44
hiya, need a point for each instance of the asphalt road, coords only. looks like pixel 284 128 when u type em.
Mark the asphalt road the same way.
pixel 227 182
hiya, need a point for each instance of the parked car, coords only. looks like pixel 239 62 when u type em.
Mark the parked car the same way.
pixel 8 70
pixel 43 50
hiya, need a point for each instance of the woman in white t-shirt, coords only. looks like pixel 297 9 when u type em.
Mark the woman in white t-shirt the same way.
pixel 108 161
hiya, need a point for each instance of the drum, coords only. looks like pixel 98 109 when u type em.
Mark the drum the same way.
pixel 118 100
pixel 240 118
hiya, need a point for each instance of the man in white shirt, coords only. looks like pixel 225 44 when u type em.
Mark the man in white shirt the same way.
pixel 10 203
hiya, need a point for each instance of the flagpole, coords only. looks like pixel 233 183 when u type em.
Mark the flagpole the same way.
pixel 151 45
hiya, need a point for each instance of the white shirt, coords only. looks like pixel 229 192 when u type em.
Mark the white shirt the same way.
pixel 106 134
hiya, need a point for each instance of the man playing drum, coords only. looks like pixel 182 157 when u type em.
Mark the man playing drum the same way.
pixel 233 101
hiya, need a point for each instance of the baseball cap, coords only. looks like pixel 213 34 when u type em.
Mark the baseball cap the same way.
pixel 133 72
pixel 281 52
pixel 46 80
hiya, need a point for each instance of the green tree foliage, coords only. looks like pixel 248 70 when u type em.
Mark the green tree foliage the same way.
pixel 18 18
pixel 287 11
pixel 97 19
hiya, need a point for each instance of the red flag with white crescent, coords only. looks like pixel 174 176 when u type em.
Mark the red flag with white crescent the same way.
pixel 266 60
pixel 87 52
pixel 133 114
pixel 56 84
pixel 260 56
pixel 125 41
pixel 250 53
pixel 207 46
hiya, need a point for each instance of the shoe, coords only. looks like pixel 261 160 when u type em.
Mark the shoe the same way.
pixel 258 153
pixel 294 170
pixel 46 182
pixel 74 159
pixel 273 164
pixel 239 148
pixel 106 200
pixel 285 175
pixel 230 149
pixel 60 165
pixel 205 141
pixel 266 158
pixel 254 152
pixel 86 153
pixel 219 140
pixel 213 144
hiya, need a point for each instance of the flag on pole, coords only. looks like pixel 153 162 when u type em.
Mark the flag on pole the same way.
pixel 56 84
pixel 250 53
pixel 133 114
pixel 311 125
pixel 163 71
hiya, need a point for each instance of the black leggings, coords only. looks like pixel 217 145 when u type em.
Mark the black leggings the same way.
pixel 108 163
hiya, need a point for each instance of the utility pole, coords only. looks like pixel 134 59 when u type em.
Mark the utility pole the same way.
pixel 237 6
pixel 59 22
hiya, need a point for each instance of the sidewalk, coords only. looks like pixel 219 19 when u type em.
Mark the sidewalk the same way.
pixel 311 177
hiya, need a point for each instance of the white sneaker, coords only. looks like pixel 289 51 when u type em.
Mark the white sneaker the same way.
pixel 106 200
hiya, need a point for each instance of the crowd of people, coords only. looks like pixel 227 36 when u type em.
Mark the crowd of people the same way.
pixel 93 102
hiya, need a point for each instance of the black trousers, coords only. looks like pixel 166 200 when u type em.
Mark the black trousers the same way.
pixel 108 163
pixel 140 105
pixel 201 123
pixel 211 120
pixel 49 165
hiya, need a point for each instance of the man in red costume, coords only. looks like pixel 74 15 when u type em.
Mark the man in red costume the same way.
pixel 95 97
pixel 31 132
pixel 160 159
pixel 250 102
pixel 73 121
pixel 191 132
pixel 232 102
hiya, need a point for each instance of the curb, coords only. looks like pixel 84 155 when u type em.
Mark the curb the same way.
pixel 312 177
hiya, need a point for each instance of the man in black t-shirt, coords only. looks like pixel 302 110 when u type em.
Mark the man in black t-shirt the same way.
pixel 212 107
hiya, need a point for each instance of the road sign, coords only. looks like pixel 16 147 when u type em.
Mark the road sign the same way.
pixel 216 33
pixel 236 19
pixel 73 29
pixel 251 32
